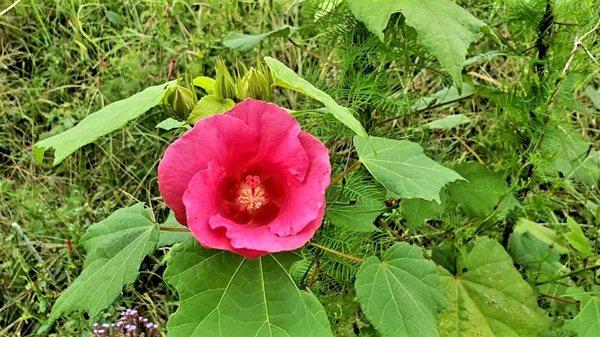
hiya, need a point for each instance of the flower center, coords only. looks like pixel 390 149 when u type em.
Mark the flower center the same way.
pixel 252 194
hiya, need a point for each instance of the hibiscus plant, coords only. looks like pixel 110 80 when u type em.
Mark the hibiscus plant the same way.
pixel 248 189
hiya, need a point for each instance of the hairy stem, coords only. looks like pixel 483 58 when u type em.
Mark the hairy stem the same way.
pixel 342 254
pixel 173 229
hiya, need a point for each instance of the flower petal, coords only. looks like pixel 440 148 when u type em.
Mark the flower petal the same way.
pixel 221 138
pixel 303 202
pixel 201 202
pixel 278 132
pixel 261 238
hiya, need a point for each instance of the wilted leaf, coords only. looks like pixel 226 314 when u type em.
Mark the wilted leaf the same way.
pixel 223 294
pixel 401 294
pixel 402 168
pixel 488 297
pixel 444 28
pixel 100 123
pixel 287 78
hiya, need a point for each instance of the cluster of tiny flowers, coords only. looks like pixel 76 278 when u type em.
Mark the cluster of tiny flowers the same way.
pixel 130 324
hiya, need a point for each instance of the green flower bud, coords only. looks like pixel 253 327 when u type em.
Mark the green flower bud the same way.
pixel 180 101
pixel 224 83
pixel 256 83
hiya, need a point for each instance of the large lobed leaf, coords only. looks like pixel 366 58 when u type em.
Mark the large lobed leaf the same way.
pixel 402 168
pixel 223 294
pixel 444 28
pixel 287 78
pixel 587 321
pixel 488 297
pixel 115 249
pixel 100 123
pixel 400 294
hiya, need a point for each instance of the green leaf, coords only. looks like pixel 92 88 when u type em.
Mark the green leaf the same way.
pixel 355 205
pixel 443 27
pixel 100 123
pixel 442 96
pixel 243 42
pixel 402 168
pixel 577 239
pixel 209 105
pixel 482 191
pixel 417 211
pixel 401 294
pixel 488 298
pixel 541 232
pixel 171 123
pixel 287 78
pixel 569 154
pixel 223 294
pixel 594 95
pixel 449 122
pixel 541 261
pixel 206 83
pixel 115 249
pixel 587 322
pixel 114 18
pixel 166 238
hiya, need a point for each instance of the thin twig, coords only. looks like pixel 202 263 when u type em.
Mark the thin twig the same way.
pixel 341 176
pixel 333 251
pixel 463 143
pixel 433 106
pixel 10 7
pixel 27 242
pixel 578 42
pixel 575 272
pixel 560 299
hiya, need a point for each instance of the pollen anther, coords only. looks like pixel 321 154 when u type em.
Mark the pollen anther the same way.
pixel 252 194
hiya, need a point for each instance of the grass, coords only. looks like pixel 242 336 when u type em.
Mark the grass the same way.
pixel 61 60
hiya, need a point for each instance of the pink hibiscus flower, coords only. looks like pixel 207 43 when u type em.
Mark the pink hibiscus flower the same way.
pixel 248 181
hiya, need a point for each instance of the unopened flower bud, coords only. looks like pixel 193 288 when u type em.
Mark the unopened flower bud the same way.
pixel 179 102
pixel 224 82
pixel 256 83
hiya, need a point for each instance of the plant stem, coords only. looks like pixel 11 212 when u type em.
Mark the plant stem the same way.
pixel 432 106
pixel 173 229
pixel 341 176
pixel 327 249
pixel 333 251
pixel 575 272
